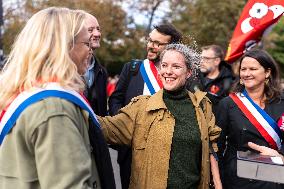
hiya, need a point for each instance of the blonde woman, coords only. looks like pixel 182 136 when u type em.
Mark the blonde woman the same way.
pixel 44 123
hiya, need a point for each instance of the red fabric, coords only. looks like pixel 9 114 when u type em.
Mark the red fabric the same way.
pixel 156 74
pixel 280 122
pixel 254 121
pixel 110 88
pixel 257 16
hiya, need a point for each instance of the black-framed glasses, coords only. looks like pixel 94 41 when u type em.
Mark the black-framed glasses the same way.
pixel 155 43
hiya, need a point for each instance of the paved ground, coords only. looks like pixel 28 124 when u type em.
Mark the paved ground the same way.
pixel 113 155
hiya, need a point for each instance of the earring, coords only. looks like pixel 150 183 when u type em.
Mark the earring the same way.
pixel 241 82
pixel 266 81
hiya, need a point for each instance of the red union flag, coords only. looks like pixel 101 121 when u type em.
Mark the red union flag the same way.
pixel 256 18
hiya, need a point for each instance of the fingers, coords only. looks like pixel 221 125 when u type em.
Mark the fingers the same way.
pixel 255 146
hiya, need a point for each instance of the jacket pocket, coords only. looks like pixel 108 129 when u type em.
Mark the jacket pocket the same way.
pixel 140 137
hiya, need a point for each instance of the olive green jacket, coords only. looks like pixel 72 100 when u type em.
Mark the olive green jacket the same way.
pixel 147 125
pixel 48 148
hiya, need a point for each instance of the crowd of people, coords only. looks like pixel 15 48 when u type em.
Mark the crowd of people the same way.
pixel 176 118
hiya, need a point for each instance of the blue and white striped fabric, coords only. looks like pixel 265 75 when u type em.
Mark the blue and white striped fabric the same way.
pixel 268 125
pixel 26 98
pixel 151 85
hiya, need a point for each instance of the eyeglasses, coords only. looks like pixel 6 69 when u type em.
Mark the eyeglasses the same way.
pixel 207 58
pixel 155 43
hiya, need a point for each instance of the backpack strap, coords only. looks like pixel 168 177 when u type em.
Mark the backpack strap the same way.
pixel 134 66
pixel 133 69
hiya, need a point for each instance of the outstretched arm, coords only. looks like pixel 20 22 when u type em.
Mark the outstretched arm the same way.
pixel 215 172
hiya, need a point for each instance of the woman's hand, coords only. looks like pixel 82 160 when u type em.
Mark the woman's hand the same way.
pixel 263 150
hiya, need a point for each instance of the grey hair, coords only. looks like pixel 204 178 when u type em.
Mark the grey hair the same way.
pixel 191 56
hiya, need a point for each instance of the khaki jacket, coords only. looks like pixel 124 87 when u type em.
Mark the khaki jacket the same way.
pixel 48 148
pixel 147 125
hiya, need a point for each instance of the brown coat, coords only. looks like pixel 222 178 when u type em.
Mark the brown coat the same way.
pixel 147 125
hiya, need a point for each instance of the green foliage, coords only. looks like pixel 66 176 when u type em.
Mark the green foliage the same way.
pixel 209 21
pixel 275 43
pixel 119 44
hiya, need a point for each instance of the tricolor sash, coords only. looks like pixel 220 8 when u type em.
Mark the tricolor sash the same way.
pixel 24 99
pixel 281 122
pixel 265 125
pixel 150 76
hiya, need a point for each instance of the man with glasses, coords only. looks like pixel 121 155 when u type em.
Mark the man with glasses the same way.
pixel 96 75
pixel 215 76
pixel 140 77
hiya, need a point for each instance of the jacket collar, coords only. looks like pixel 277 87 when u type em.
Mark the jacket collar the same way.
pixel 197 97
pixel 156 101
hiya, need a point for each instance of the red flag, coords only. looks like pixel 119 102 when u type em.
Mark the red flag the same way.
pixel 257 16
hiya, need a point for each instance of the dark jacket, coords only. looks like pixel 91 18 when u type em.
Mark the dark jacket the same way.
pixel 97 97
pixel 129 85
pixel 237 131
pixel 96 94
pixel 216 89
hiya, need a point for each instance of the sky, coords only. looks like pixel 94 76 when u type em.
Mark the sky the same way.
pixel 140 19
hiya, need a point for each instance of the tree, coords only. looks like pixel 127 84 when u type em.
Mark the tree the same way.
pixel 148 8
pixel 119 43
pixel 209 21
pixel 274 43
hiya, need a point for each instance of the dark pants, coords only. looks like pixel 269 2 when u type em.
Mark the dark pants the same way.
pixel 124 157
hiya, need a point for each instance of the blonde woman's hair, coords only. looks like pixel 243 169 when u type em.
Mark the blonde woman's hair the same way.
pixel 40 54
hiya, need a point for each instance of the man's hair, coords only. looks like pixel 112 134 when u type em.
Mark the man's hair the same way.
pixel 40 53
pixel 169 29
pixel 218 50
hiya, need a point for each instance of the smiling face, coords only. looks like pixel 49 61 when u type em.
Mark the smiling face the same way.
pixel 95 31
pixel 156 44
pixel 173 70
pixel 252 74
pixel 81 51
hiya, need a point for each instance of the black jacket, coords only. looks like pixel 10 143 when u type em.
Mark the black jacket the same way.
pixel 216 89
pixel 237 131
pixel 129 85
pixel 96 94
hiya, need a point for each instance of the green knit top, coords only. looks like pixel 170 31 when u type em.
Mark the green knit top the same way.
pixel 185 159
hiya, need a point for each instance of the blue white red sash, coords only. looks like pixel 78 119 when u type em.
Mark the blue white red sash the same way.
pixel 25 99
pixel 281 122
pixel 150 76
pixel 266 126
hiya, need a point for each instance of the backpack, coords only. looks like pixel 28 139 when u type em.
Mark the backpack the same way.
pixel 133 70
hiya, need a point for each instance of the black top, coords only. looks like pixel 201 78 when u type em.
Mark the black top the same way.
pixel 96 94
pixel 239 131
pixel 129 85
pixel 217 88
pixel 185 158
